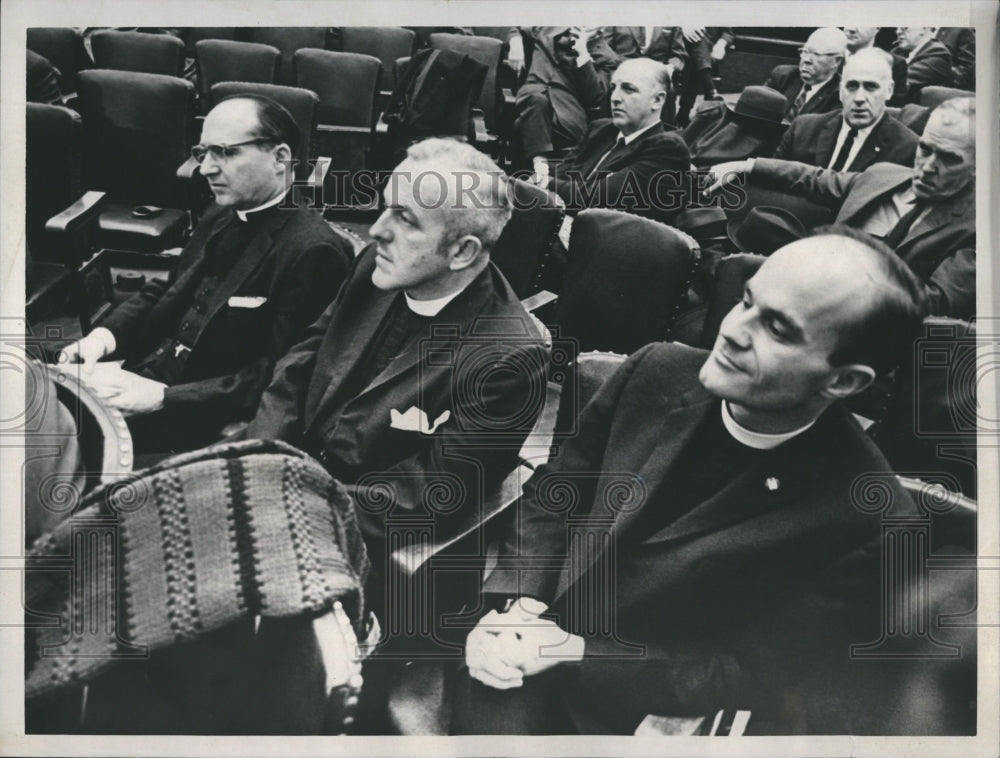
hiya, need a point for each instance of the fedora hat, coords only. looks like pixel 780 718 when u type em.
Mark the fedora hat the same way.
pixel 703 223
pixel 759 105
pixel 765 229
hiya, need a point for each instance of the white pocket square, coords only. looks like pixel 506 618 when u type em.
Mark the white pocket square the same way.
pixel 415 420
pixel 244 301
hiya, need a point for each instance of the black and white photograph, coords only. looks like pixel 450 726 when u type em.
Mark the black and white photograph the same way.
pixel 525 389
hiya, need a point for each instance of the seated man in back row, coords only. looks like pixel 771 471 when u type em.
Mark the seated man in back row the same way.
pixel 714 555
pixel 926 214
pixel 629 162
pixel 199 348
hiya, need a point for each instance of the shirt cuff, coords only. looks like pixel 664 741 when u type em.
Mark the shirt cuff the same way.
pixel 751 162
pixel 105 337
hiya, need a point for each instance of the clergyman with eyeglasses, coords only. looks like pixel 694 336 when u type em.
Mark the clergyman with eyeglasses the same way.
pixel 199 348
pixel 814 85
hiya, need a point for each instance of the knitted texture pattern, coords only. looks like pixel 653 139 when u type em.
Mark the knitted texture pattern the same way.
pixel 183 548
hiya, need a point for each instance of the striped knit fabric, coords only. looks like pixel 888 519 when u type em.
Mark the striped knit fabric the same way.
pixel 185 547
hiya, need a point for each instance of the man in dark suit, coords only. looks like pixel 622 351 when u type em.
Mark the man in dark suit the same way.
pixel 711 557
pixel 426 374
pixel 863 133
pixel 863 38
pixel 927 213
pixel 199 348
pixel 812 86
pixel 961 43
pixel 628 162
pixel 559 97
pixel 928 61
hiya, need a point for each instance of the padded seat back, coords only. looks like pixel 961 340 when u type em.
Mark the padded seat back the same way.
pixel 137 130
pixel 346 84
pixel 63 47
pixel 231 61
pixel 301 103
pixel 626 278
pixel 731 274
pixel 487 51
pixel 523 249
pixel 138 51
pixel 933 95
pixel 387 43
pixel 288 40
pixel 53 138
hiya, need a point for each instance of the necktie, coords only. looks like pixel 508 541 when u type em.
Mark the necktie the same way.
pixel 619 143
pixel 898 233
pixel 845 150
pixel 800 100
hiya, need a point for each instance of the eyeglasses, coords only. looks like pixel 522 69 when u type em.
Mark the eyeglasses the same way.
pixel 224 152
pixel 805 52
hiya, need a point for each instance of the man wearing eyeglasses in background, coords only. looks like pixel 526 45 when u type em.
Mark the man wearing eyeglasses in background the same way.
pixel 814 85
pixel 199 348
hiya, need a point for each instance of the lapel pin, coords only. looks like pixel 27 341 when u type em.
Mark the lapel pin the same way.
pixel 772 483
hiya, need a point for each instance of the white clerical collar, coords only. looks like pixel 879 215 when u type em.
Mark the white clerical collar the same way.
pixel 756 440
pixel 430 307
pixel 638 133
pixel 270 203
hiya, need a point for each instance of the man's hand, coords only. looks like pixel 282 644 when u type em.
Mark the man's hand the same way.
pixel 541 644
pixel 693 33
pixel 515 54
pixel 128 392
pixel 724 174
pixel 540 175
pixel 582 37
pixel 488 653
pixel 719 50
pixel 87 351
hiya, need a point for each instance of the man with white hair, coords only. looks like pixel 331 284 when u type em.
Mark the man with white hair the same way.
pixel 811 87
pixel 862 133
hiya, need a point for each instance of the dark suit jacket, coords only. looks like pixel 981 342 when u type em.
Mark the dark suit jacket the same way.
pixel 931 66
pixel 296 263
pixel 644 177
pixel 961 42
pixel 941 248
pixel 787 80
pixel 749 600
pixel 812 138
pixel 484 329
pixel 613 44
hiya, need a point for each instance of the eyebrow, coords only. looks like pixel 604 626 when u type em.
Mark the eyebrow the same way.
pixel 792 329
pixel 938 149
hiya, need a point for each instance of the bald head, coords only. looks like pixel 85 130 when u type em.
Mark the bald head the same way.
pixel 638 90
pixel 822 55
pixel 865 86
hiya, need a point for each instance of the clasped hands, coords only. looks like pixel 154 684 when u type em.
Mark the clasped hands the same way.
pixel 506 647
pixel 121 389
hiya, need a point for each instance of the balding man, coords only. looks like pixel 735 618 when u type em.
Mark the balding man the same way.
pixel 734 571
pixel 812 86
pixel 863 38
pixel 862 133
pixel 629 162
pixel 927 213
pixel 199 348
pixel 928 60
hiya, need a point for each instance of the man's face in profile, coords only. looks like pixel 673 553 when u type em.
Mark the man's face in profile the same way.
pixel 772 352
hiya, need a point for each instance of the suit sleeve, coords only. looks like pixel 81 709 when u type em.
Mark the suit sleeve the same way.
pixel 951 289
pixel 828 188
pixel 539 531
pixel 129 321
pixel 784 151
pixel 305 289
pixel 591 86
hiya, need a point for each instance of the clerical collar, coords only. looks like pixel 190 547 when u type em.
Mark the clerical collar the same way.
pixel 756 440
pixel 636 134
pixel 430 307
pixel 269 204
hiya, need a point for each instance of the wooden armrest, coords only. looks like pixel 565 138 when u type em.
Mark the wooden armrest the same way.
pixel 318 175
pixel 79 214
pixel 336 129
pixel 536 301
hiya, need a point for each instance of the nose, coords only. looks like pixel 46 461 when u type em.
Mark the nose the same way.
pixel 379 230
pixel 734 328
pixel 209 166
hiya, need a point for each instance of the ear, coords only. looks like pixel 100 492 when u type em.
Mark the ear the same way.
pixel 890 89
pixel 464 252
pixel 849 380
pixel 283 155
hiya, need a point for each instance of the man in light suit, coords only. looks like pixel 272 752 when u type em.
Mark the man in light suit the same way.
pixel 426 374
pixel 863 133
pixel 256 272
pixel 710 556
pixel 927 213
pixel 628 162
pixel 812 86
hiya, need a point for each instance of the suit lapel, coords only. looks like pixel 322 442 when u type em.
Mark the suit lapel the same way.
pixel 948 212
pixel 872 147
pixel 865 194
pixel 826 141
pixel 218 226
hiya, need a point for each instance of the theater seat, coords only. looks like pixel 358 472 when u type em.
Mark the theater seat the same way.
pixel 524 251
pixel 138 51
pixel 221 60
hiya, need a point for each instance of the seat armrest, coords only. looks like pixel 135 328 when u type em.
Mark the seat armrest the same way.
pixel 78 215
pixel 188 170
pixel 539 299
